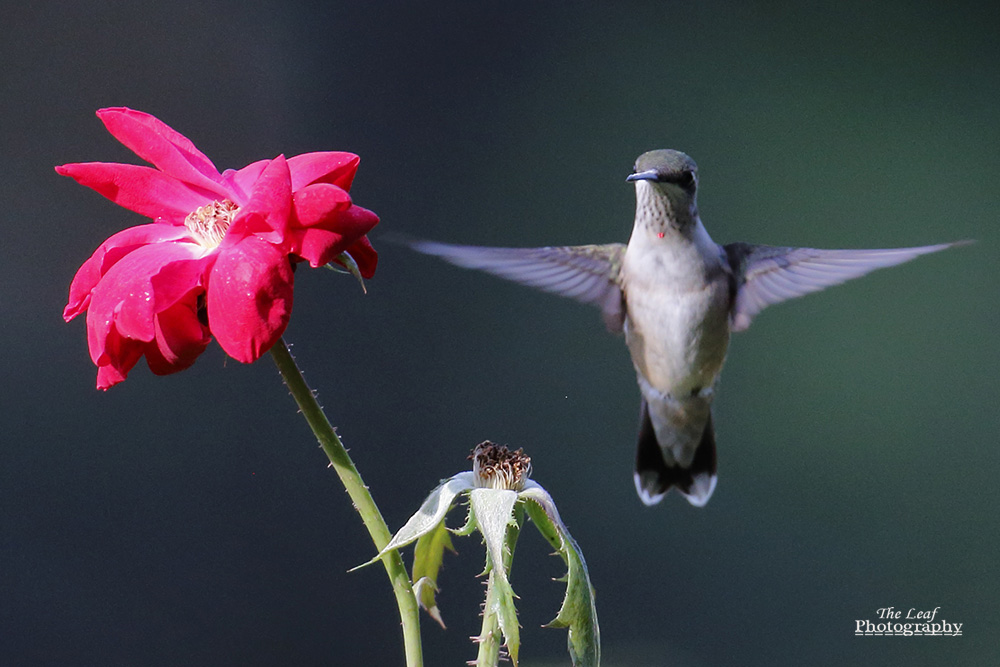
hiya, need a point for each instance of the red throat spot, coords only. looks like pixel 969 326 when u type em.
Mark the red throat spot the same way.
pixel 659 235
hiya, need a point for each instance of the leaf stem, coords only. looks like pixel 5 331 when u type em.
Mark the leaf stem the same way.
pixel 362 499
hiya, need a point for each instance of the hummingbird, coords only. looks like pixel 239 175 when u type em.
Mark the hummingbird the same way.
pixel 676 296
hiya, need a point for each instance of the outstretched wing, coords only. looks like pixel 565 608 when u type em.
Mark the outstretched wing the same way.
pixel 587 273
pixel 766 275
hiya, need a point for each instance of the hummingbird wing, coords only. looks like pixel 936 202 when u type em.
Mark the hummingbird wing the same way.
pixel 766 275
pixel 587 273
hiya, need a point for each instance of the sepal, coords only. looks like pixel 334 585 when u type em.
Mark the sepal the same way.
pixel 344 263
pixel 578 612
pixel 430 514
pixel 427 558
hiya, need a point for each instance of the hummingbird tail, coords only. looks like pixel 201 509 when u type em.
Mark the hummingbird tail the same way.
pixel 654 477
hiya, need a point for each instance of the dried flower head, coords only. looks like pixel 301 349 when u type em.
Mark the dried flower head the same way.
pixel 497 467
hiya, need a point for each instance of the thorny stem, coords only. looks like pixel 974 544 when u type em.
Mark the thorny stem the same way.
pixel 490 638
pixel 362 499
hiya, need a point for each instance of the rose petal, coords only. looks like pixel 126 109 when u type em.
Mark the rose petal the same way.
pixel 319 245
pixel 108 376
pixel 126 297
pixel 180 338
pixel 145 304
pixel 241 182
pixel 146 191
pixel 334 167
pixel 163 147
pixel 185 269
pixel 268 211
pixel 249 298
pixel 118 356
pixel 314 203
pixel 110 252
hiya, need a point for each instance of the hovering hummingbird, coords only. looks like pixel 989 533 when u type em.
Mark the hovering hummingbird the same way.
pixel 676 295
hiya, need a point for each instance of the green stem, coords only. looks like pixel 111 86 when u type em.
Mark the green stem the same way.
pixel 409 613
pixel 489 638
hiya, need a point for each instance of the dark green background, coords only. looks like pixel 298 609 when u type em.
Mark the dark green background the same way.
pixel 191 519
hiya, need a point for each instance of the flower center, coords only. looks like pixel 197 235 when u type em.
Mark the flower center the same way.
pixel 209 223
pixel 496 467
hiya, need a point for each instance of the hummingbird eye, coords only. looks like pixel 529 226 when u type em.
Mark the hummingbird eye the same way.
pixel 686 180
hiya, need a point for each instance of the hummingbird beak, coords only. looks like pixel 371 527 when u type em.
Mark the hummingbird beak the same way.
pixel 648 175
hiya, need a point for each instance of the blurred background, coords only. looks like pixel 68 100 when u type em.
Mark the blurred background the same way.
pixel 192 520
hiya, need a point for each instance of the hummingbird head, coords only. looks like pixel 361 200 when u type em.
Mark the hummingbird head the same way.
pixel 666 184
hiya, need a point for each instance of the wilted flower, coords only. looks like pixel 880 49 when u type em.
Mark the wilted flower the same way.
pixel 496 467
pixel 500 494
pixel 217 259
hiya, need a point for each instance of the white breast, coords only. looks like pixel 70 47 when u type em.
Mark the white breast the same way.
pixel 677 326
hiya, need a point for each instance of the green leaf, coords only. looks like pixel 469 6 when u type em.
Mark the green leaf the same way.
pixel 578 612
pixel 427 558
pixel 430 514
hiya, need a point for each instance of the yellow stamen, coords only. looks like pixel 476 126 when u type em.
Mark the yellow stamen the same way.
pixel 209 223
